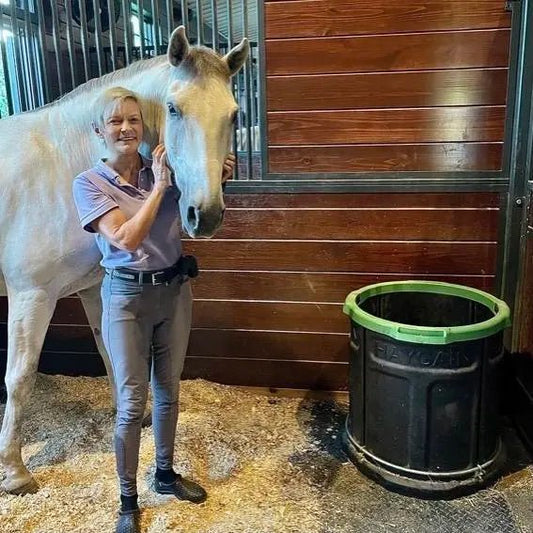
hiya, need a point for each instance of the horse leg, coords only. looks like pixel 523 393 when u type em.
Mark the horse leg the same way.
pixel 92 303
pixel 29 314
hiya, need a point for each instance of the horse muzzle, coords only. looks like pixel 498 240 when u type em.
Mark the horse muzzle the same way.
pixel 200 222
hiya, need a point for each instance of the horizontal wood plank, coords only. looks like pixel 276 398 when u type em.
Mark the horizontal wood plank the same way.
pixel 437 157
pixel 309 256
pixel 365 224
pixel 463 87
pixel 441 124
pixel 319 18
pixel 230 343
pixel 268 373
pixel 379 53
pixel 267 286
pixel 246 372
pixel 353 201
pixel 269 345
pixel 307 286
pixel 271 316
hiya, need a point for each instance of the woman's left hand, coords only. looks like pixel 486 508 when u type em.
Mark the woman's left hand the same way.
pixel 228 168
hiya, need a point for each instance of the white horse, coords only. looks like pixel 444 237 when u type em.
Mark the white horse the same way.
pixel 44 254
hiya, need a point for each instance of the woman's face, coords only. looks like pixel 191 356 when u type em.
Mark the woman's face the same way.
pixel 123 127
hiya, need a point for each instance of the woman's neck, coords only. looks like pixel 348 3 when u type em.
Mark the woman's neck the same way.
pixel 127 166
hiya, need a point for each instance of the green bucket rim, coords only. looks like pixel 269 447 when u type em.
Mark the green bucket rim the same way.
pixel 425 334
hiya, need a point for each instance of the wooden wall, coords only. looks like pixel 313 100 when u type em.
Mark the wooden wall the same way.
pixel 268 307
pixel 383 86
pixel 352 86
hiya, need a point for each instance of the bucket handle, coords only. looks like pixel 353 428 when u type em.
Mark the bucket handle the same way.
pixel 406 330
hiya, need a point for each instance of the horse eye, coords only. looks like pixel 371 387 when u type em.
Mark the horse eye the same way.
pixel 173 112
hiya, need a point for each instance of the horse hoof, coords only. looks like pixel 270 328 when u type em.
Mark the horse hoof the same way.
pixel 147 421
pixel 30 487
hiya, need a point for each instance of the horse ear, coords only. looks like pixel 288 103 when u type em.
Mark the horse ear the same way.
pixel 178 46
pixel 236 57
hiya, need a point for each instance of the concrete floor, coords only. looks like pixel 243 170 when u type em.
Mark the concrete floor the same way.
pixel 356 504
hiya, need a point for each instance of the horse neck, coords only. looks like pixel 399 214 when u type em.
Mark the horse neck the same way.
pixel 73 118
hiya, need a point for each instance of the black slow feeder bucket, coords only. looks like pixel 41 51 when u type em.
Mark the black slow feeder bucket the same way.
pixel 425 370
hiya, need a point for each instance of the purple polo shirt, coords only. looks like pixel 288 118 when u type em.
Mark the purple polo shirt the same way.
pixel 98 190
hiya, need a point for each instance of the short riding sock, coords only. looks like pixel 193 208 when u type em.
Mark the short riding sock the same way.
pixel 166 476
pixel 128 503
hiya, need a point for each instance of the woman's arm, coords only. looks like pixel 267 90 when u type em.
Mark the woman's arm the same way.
pixel 127 234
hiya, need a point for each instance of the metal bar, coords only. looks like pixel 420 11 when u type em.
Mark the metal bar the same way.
pixel 43 51
pixel 170 17
pixel 17 54
pixel 112 34
pixel 214 25
pixel 70 43
pixel 199 32
pixel 229 10
pixel 253 97
pixel 368 185
pixel 84 38
pixel 521 165
pixel 229 28
pixel 126 13
pixel 261 89
pixel 57 45
pixel 141 26
pixel 98 36
pixel 184 14
pixel 247 67
pixel 156 26
pixel 400 177
pixel 5 70
pixel 31 63
pixel 502 269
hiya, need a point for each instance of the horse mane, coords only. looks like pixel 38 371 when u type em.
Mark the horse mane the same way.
pixel 200 62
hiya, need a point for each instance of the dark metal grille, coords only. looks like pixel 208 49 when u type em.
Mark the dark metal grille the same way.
pixel 49 47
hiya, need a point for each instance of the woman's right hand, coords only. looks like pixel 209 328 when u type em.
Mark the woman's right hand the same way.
pixel 159 168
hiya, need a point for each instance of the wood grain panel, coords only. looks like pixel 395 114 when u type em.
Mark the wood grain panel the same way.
pixel 365 224
pixel 306 287
pixel 440 124
pixel 378 53
pixel 269 345
pixel 391 257
pixel 268 373
pixel 352 201
pixel 387 89
pixel 249 372
pixel 272 316
pixel 319 18
pixel 219 343
pixel 268 286
pixel 439 157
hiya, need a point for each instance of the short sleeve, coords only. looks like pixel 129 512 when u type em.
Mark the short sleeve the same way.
pixel 90 201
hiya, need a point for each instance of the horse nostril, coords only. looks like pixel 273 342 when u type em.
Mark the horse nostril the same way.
pixel 191 217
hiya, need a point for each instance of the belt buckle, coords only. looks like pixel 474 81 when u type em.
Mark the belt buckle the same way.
pixel 154 281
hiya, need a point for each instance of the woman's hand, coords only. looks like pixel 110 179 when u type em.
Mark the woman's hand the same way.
pixel 159 168
pixel 228 168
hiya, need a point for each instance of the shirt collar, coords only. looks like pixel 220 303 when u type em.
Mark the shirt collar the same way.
pixel 145 174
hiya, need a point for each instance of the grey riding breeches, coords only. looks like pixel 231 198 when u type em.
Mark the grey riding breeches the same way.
pixel 143 326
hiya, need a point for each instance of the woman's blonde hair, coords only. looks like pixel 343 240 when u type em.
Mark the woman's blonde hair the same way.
pixel 112 96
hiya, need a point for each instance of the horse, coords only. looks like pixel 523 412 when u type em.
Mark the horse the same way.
pixel 45 255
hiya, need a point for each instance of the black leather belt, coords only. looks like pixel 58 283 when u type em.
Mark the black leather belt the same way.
pixel 186 267
pixel 146 277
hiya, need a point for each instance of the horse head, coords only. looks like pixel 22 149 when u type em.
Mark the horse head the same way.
pixel 199 113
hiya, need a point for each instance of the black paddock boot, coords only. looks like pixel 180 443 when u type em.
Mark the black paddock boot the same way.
pixel 182 488
pixel 129 522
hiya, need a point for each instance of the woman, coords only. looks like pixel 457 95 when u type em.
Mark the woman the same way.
pixel 128 202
